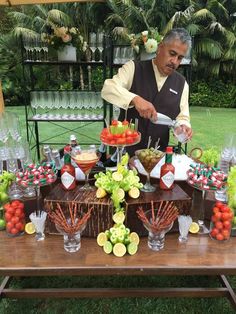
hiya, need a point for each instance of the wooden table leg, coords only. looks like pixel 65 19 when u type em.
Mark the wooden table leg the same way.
pixel 231 295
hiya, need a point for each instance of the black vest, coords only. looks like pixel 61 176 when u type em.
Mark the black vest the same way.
pixel 165 101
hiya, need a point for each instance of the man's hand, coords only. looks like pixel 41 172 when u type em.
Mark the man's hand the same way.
pixel 188 131
pixel 144 108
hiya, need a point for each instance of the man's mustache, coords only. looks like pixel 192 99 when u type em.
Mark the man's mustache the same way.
pixel 172 66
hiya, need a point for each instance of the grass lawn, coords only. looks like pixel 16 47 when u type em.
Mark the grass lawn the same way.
pixel 209 125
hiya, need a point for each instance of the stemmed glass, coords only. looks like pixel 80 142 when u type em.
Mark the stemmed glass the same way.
pixel 92 44
pixel 100 37
pixel 149 158
pixel 86 159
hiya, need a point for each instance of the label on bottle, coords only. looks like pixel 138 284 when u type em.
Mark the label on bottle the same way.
pixel 67 179
pixel 168 179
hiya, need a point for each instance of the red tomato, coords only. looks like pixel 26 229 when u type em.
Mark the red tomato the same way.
pixel 19 226
pixel 215 210
pixel 109 136
pixel 226 233
pixel 225 209
pixel 225 216
pixel 231 215
pixel 8 216
pixel 10 225
pixel 214 232
pixel 213 218
pixel 15 220
pixel 117 135
pixel 15 203
pixel 125 122
pixel 135 134
pixel 128 133
pixel 14 231
pixel 114 122
pixel 21 206
pixel 11 210
pixel 227 224
pixel 121 141
pixel 112 142
pixel 219 225
pixel 220 237
pixel 129 140
pixel 219 204
pixel 18 212
pixel 123 135
pixel 6 206
pixel 218 216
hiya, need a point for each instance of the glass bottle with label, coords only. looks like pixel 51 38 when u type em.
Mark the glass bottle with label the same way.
pixel 167 175
pixel 68 174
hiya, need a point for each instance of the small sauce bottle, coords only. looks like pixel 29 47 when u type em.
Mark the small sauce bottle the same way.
pixel 68 174
pixel 167 176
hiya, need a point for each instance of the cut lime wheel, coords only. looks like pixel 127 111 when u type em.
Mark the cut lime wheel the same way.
pixel 134 237
pixel 194 227
pixel 30 228
pixel 134 192
pixel 101 238
pixel 118 217
pixel 119 249
pixel 132 248
pixel 120 194
pixel 101 193
pixel 116 176
pixel 107 247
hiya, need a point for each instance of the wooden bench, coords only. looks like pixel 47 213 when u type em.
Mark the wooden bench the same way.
pixel 200 256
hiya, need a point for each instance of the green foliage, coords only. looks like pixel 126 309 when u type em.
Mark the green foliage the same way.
pixel 213 94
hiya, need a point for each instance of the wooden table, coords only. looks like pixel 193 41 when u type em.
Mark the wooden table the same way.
pixel 200 256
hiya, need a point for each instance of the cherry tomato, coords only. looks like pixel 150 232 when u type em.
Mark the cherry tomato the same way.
pixel 225 209
pixel 231 215
pixel 19 226
pixel 6 206
pixel 10 225
pixel 135 134
pixel 114 122
pixel 21 206
pixel 11 210
pixel 128 133
pixel 8 216
pixel 219 225
pixel 213 218
pixel 18 212
pixel 214 232
pixel 129 140
pixel 220 237
pixel 219 204
pixel 14 231
pixel 218 216
pixel 15 220
pixel 125 122
pixel 215 210
pixel 226 233
pixel 112 142
pixel 225 216
pixel 227 224
pixel 121 141
pixel 117 135
pixel 109 136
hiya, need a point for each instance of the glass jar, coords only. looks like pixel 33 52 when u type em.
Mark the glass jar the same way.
pixel 220 230
pixel 15 218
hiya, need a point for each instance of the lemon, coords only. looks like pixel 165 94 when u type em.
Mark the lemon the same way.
pixel 119 217
pixel 101 193
pixel 30 228
pixel 117 176
pixel 119 249
pixel 134 237
pixel 134 192
pixel 194 227
pixel 101 238
pixel 120 194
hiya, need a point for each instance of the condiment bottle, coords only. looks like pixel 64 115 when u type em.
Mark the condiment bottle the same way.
pixel 68 174
pixel 73 141
pixel 167 175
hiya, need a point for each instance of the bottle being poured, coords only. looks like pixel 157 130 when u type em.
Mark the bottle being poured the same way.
pixel 162 119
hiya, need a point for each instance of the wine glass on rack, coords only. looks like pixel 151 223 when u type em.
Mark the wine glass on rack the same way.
pixel 100 37
pixel 93 44
pixel 85 159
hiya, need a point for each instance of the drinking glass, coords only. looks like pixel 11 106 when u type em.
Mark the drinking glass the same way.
pixel 85 159
pixel 100 36
pixel 93 44
pixel 39 224
pixel 117 55
pixel 184 225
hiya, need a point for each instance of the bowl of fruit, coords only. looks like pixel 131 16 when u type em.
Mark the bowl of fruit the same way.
pixel 120 133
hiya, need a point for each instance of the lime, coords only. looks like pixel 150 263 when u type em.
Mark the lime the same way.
pixel 107 247
pixel 101 193
pixel 30 228
pixel 134 237
pixel 113 239
pixel 2 224
pixel 134 192
pixel 194 227
pixel 118 217
pixel 101 238
pixel 132 248
pixel 119 249
pixel 116 176
pixel 120 194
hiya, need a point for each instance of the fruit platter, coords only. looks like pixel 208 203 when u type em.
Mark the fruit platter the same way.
pixel 120 134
